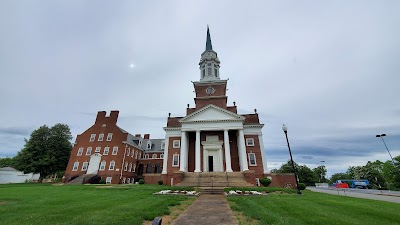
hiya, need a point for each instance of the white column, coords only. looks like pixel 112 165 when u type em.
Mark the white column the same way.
pixel 227 152
pixel 243 155
pixel 197 156
pixel 263 157
pixel 165 160
pixel 183 152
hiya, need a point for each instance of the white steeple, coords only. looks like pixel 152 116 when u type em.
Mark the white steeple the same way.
pixel 209 62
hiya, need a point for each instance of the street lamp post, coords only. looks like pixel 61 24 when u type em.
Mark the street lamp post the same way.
pixel 381 136
pixel 284 128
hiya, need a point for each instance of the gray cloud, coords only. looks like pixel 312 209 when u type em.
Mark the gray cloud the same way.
pixel 329 70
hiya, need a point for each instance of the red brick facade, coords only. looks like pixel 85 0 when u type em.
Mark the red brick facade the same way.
pixel 111 143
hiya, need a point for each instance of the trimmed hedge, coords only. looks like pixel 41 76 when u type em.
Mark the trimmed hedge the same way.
pixel 265 181
pixel 302 186
pixel 141 181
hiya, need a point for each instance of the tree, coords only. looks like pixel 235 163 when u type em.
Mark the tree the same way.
pixel 4 162
pixel 304 173
pixel 46 152
pixel 340 176
pixel 320 173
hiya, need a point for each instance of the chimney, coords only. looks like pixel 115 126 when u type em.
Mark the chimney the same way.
pixel 137 135
pixel 146 136
pixel 114 116
pixel 101 115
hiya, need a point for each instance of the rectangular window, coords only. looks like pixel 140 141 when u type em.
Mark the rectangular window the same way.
pixel 112 165
pixel 215 72
pixel 101 136
pixel 75 167
pixel 128 152
pixel 252 159
pixel 102 165
pixel 84 166
pixel 115 150
pixel 89 151
pixel 109 136
pixel 97 150
pixel 136 154
pixel 175 160
pixel 250 141
pixel 126 166
pixel 108 180
pixel 176 144
pixel 80 151
pixel 161 156
pixel 92 137
pixel 154 156
pixel 106 150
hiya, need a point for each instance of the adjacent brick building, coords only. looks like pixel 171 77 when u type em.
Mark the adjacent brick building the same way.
pixel 114 154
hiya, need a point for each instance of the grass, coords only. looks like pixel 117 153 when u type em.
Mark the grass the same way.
pixel 83 204
pixel 314 208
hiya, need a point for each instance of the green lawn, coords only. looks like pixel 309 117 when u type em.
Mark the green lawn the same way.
pixel 70 204
pixel 315 208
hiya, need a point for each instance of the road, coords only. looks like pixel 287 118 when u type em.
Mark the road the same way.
pixel 389 196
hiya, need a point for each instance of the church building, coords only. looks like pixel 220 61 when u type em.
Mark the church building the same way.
pixel 212 136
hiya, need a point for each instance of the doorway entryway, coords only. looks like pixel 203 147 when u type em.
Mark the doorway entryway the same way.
pixel 210 163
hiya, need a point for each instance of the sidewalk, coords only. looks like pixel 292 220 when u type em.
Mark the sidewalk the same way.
pixel 207 210
pixel 350 193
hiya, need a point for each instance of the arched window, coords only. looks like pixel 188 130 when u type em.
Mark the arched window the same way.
pixel 148 168
pixel 154 156
pixel 126 166
pixel 148 145
pixel 146 156
pixel 130 167
pixel 128 152
pixel 134 168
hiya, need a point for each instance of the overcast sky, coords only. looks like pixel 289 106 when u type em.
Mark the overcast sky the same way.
pixel 328 69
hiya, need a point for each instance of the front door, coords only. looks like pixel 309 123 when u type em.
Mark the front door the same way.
pixel 210 163
pixel 94 164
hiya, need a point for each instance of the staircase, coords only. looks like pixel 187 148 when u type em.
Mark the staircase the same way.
pixel 81 179
pixel 214 179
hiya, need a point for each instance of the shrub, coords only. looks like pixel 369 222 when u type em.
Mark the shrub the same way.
pixel 265 181
pixel 160 182
pixel 302 186
pixel 102 181
pixel 94 180
pixel 57 180
pixel 141 181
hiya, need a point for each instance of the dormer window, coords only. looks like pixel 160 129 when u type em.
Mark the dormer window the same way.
pixel 140 143
pixel 162 144
pixel 149 145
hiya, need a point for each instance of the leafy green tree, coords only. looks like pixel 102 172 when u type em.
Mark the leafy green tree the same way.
pixel 320 173
pixel 339 176
pixel 4 162
pixel 305 174
pixel 46 152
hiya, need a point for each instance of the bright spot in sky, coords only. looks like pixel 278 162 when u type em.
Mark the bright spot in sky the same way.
pixel 131 65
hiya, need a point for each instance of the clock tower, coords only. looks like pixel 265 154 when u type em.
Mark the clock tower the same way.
pixel 210 89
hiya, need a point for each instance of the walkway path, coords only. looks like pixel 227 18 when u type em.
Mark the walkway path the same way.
pixel 388 197
pixel 207 210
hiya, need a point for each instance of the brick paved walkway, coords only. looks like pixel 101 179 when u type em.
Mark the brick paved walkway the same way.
pixel 207 210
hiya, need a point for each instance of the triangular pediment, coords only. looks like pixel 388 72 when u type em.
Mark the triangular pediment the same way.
pixel 211 113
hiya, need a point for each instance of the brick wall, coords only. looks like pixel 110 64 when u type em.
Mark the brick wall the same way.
pixel 258 169
pixel 220 89
pixel 171 152
pixel 202 102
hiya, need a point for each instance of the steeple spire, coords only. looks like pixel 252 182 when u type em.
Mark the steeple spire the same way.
pixel 208 43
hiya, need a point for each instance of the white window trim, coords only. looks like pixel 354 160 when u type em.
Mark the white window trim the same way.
pixel 126 166
pixel 146 156
pixel 97 150
pixel 130 167
pixel 75 166
pixel 80 151
pixel 83 166
pixel 109 136
pixel 108 180
pixel 103 163
pixel 106 152
pixel 101 137
pixel 162 144
pixel 173 156
pixel 248 140
pixel 148 146
pixel 255 160
pixel 113 164
pixel 154 156
pixel 92 137
pixel 176 144
pixel 161 155
pixel 115 152
pixel 134 168
pixel 89 152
